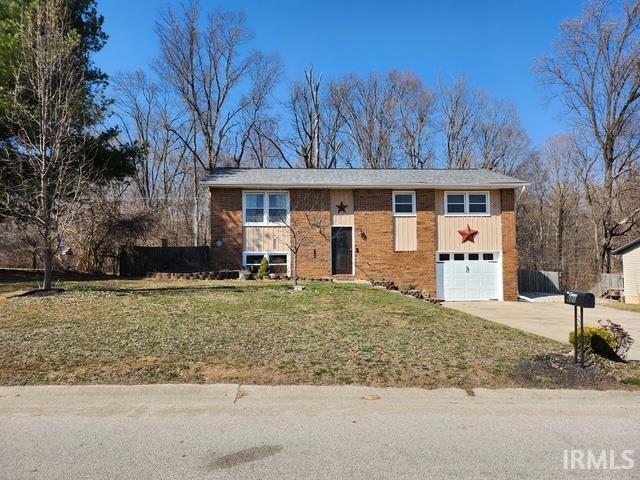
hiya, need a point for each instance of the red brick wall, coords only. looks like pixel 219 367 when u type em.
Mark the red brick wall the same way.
pixel 314 256
pixel 375 255
pixel 509 246
pixel 226 226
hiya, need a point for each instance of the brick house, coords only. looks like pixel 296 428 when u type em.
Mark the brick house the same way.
pixel 450 232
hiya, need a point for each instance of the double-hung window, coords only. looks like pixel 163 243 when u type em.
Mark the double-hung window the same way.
pixel 278 207
pixel 404 204
pixel 466 203
pixel 266 208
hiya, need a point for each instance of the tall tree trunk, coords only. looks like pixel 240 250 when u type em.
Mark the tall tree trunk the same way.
pixel 607 221
pixel 196 206
pixel 47 257
pixel 294 273
pixel 196 220
pixel 560 241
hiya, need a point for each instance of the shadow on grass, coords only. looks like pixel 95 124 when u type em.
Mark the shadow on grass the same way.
pixel 179 290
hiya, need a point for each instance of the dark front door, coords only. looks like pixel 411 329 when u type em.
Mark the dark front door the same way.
pixel 341 245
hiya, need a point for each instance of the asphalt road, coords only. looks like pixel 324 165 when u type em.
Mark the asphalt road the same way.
pixel 232 432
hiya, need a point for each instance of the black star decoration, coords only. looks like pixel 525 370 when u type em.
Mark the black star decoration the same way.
pixel 342 207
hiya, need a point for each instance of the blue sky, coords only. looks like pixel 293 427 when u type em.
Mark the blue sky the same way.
pixel 495 43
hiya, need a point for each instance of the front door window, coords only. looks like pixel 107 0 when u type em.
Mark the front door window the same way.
pixel 341 251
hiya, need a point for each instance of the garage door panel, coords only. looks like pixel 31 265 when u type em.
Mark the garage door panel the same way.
pixel 460 280
pixel 459 267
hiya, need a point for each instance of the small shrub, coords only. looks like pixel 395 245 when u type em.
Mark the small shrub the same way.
pixel 411 286
pixel 598 340
pixel 621 336
pixel 264 269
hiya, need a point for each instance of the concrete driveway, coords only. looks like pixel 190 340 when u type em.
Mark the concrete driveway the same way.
pixel 550 319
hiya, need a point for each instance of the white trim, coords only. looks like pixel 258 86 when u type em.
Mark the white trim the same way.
pixel 265 208
pixel 360 186
pixel 413 203
pixel 268 254
pixel 466 212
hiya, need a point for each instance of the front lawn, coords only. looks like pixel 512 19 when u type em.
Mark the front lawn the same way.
pixel 152 331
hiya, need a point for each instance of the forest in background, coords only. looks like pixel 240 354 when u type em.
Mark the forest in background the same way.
pixel 89 163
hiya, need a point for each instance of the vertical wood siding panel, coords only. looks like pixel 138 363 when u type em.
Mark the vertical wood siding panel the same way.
pixel 405 233
pixel 344 219
pixel 266 239
pixel 489 237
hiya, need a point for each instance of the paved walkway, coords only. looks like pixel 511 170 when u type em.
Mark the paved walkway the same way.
pixel 259 432
pixel 550 319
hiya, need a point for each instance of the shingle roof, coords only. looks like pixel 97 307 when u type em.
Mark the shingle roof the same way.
pixel 627 247
pixel 357 178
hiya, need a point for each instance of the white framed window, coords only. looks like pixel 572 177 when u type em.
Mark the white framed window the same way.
pixel 265 208
pixel 404 204
pixel 467 203
pixel 278 261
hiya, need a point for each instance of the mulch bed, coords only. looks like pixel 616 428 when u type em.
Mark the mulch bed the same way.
pixel 555 370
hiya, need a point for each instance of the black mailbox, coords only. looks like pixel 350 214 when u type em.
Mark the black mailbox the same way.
pixel 580 299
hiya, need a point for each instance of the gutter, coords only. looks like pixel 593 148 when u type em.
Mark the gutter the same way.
pixel 404 186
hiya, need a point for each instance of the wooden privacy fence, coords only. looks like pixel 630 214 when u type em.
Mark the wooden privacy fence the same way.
pixel 608 282
pixel 538 281
pixel 139 261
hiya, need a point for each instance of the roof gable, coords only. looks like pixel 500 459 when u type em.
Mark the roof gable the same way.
pixel 632 245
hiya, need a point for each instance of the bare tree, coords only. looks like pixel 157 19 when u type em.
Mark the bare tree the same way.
pixel 459 108
pixel 308 224
pixel 562 193
pixel 332 135
pixel 150 121
pixel 207 66
pixel 501 140
pixel 416 105
pixel 254 117
pixel 305 109
pixel 369 113
pixel 44 168
pixel 595 72
pixel 317 122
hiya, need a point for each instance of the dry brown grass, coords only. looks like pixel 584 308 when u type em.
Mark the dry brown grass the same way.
pixel 151 331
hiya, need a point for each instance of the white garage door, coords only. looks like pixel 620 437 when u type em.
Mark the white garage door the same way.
pixel 468 276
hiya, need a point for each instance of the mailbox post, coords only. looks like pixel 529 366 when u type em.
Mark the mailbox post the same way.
pixel 582 300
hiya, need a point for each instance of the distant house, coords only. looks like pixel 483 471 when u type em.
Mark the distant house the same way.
pixel 631 270
pixel 450 232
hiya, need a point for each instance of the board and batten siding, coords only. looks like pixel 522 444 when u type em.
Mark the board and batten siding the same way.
pixel 265 239
pixel 489 238
pixel 631 273
pixel 405 234
pixel 342 219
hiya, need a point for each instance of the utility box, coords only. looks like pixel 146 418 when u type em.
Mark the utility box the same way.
pixel 580 299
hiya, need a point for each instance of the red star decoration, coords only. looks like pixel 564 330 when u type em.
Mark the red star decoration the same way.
pixel 468 234
pixel 342 207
